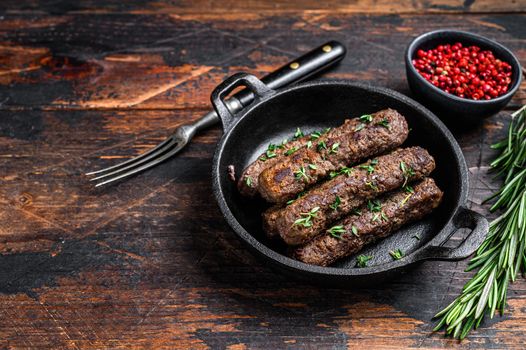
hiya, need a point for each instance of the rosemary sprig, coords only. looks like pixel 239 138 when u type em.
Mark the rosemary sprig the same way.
pixel 502 254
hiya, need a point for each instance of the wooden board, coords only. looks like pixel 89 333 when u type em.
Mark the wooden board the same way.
pixel 150 262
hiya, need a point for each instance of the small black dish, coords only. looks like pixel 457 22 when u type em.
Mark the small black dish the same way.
pixel 448 106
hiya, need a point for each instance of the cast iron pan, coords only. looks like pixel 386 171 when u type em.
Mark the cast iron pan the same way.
pixel 275 115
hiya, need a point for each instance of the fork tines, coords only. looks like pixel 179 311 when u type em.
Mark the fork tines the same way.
pixel 156 155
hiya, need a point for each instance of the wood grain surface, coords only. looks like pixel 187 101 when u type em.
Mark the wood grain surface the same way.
pixel 150 262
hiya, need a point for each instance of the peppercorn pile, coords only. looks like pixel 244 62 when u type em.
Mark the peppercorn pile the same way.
pixel 467 72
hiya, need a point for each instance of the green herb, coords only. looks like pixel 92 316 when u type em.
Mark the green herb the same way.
pixel 263 158
pixel 396 254
pixel 284 142
pixel 248 181
pixel 384 122
pixel 362 260
pixel 374 205
pixel 366 118
pixel 291 151
pixel 376 217
pixel 306 218
pixel 408 189
pixel 271 151
pixel 309 144
pixel 315 135
pixel 301 194
pixel 354 230
pixel 301 174
pixel 384 217
pixel 372 185
pixel 359 127
pixel 417 237
pixel 407 172
pixel 369 167
pixel 334 206
pixel 343 170
pixel 356 212
pixel 337 231
pixel 326 130
pixel 298 133
pixel 334 148
pixel 503 253
pixel 313 167
pixel 321 145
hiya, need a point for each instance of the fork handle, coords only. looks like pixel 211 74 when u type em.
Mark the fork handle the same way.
pixel 299 69
pixel 295 71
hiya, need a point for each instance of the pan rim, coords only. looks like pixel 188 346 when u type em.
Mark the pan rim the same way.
pixel 291 264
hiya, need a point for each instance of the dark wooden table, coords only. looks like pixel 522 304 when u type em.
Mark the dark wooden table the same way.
pixel 150 261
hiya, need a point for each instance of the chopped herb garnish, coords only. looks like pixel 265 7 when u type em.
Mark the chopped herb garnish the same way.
pixel 384 217
pixel 315 135
pixel 417 237
pixel 369 167
pixel 366 118
pixel 291 151
pixel 362 260
pixel 334 206
pixel 396 254
pixel 408 189
pixel 359 127
pixel 306 218
pixel 343 170
pixel 248 181
pixel 384 122
pixel 337 231
pixel 284 142
pixel 354 230
pixel 356 212
pixel 376 217
pixel 263 158
pixel 334 148
pixel 313 167
pixel 375 205
pixel 309 144
pixel 326 130
pixel 271 151
pixel 407 172
pixel 321 145
pixel 301 194
pixel 301 173
pixel 298 133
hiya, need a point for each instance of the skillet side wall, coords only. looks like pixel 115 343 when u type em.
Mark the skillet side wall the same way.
pixel 314 106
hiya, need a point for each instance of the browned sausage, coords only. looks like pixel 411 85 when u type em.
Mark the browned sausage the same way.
pixel 352 233
pixel 356 139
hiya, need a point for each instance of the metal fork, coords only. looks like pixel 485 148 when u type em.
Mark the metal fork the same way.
pixel 300 69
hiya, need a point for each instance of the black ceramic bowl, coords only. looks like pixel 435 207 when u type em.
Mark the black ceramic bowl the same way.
pixel 449 106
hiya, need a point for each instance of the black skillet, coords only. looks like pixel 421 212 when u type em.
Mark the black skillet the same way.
pixel 275 115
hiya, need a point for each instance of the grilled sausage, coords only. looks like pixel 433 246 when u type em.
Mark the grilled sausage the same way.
pixel 347 191
pixel 356 139
pixel 354 232
pixel 247 183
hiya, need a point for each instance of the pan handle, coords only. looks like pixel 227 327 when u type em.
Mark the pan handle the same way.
pixel 253 84
pixel 464 218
